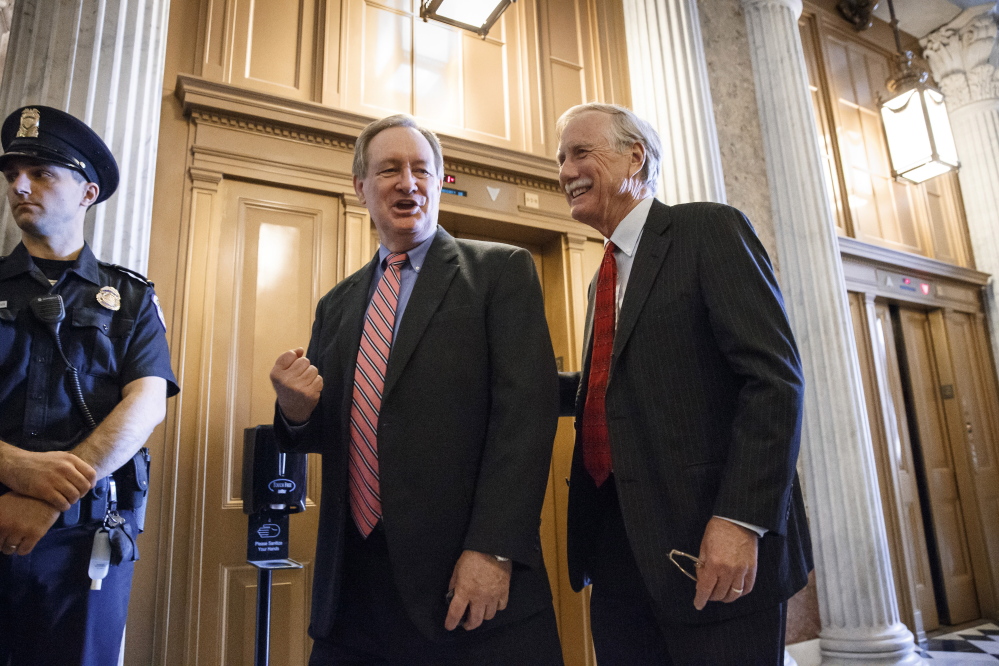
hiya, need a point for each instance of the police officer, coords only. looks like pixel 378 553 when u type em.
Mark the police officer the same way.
pixel 84 377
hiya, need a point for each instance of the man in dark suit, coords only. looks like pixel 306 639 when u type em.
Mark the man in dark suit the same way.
pixel 688 414
pixel 432 395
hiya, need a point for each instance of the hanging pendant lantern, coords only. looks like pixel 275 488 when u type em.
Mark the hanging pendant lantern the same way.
pixel 917 128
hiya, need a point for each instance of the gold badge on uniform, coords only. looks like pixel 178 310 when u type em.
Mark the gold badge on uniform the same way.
pixel 29 124
pixel 109 298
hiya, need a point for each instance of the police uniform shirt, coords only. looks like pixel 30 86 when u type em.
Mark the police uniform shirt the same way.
pixel 108 347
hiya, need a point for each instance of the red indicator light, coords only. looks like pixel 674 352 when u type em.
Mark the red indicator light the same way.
pixel 449 178
pixel 906 280
pixel 925 288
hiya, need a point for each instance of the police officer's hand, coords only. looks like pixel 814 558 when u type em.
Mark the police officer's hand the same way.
pixel 56 477
pixel 298 385
pixel 23 521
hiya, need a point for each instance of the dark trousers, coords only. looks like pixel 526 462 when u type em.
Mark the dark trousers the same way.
pixel 627 632
pixel 49 616
pixel 372 625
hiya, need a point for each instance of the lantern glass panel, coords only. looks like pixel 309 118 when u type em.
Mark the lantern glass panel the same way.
pixel 906 129
pixel 925 172
pixel 940 122
pixel 469 12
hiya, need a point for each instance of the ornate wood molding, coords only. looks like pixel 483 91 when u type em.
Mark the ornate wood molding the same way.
pixel 850 248
pixel 223 119
pixel 247 110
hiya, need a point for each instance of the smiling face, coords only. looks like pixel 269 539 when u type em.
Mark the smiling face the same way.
pixel 600 181
pixel 402 189
pixel 49 202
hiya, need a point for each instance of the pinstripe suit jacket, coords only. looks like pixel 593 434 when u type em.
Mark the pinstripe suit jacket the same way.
pixel 704 405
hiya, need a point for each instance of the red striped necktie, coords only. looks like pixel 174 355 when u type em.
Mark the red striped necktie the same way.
pixel 596 440
pixel 369 382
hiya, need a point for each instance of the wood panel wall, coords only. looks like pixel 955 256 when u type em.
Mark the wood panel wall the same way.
pixel 377 57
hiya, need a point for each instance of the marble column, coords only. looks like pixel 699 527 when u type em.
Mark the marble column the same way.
pixel 102 61
pixel 669 88
pixel 857 604
pixel 6 13
pixel 964 58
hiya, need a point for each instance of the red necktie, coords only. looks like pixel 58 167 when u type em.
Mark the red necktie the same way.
pixel 596 441
pixel 369 381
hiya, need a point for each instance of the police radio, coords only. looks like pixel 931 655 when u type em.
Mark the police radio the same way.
pixel 49 310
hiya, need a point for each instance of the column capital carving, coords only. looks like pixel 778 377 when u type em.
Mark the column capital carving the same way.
pixel 958 55
pixel 794 5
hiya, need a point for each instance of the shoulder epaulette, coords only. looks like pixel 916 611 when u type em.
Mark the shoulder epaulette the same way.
pixel 129 272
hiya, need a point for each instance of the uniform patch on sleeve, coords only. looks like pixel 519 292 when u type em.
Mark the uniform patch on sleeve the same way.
pixel 159 311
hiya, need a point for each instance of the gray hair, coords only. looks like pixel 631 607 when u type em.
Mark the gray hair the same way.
pixel 627 129
pixel 360 166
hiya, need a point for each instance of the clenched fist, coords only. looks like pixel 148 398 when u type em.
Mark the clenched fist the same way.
pixel 297 384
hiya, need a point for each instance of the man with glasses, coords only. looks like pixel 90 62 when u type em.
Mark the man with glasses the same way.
pixel 684 508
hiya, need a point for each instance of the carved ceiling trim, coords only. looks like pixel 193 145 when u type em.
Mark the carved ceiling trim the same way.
pixel 222 119
pixel 236 108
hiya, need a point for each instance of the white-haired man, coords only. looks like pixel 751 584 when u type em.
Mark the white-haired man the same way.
pixel 684 507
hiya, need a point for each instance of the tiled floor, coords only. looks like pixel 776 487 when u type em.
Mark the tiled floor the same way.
pixel 978 645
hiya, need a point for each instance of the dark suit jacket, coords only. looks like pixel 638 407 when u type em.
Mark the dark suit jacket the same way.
pixel 704 405
pixel 465 433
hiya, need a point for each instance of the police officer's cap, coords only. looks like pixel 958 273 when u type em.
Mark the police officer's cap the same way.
pixel 47 134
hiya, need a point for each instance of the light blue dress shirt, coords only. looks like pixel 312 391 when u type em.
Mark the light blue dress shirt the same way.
pixel 410 270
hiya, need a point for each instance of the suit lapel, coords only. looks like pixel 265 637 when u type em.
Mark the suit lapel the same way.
pixel 431 286
pixel 355 306
pixel 649 258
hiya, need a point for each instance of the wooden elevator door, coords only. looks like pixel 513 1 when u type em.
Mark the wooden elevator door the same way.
pixel 949 399
pixel 911 534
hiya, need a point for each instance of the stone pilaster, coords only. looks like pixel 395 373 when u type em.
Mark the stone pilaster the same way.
pixel 669 88
pixel 857 604
pixel 102 61
pixel 962 58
